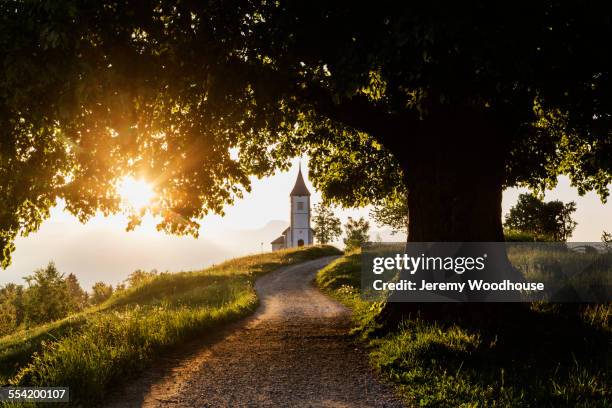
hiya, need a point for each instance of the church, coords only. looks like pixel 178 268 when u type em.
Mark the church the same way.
pixel 299 232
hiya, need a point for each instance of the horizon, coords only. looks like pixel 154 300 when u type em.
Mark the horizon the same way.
pixel 82 249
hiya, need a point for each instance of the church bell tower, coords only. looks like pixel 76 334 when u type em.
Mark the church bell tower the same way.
pixel 300 233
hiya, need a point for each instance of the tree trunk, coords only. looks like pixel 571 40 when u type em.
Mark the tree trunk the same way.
pixel 454 176
pixel 449 204
pixel 454 173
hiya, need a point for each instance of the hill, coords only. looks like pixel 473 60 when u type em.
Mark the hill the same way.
pixel 90 351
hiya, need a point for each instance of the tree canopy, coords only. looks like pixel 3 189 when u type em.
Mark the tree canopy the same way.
pixel 196 96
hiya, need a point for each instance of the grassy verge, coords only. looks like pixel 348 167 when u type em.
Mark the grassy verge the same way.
pixel 91 351
pixel 546 356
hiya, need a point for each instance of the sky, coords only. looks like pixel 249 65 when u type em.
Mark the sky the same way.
pixel 102 250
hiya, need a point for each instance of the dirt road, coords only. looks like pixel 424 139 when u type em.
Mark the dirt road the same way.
pixel 293 352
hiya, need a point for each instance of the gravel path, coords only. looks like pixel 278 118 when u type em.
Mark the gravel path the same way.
pixel 293 352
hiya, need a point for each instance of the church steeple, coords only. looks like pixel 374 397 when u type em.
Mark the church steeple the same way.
pixel 300 188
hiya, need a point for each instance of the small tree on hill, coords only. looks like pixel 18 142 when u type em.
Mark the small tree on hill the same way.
pixel 100 292
pixel 357 233
pixel 140 276
pixel 549 220
pixel 76 294
pixel 46 298
pixel 326 224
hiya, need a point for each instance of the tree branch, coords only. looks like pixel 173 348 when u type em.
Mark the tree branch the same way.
pixel 357 111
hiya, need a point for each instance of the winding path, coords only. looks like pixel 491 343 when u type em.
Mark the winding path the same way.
pixel 293 352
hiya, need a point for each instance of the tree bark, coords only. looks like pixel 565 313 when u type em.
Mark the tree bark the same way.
pixel 454 172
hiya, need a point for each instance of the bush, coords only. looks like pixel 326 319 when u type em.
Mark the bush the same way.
pixel 100 292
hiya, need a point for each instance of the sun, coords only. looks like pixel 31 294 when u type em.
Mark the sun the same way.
pixel 135 193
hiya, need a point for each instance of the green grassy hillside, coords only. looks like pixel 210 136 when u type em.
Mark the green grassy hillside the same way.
pixel 535 356
pixel 90 351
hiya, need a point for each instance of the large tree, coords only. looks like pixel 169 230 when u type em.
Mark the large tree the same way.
pixel 455 101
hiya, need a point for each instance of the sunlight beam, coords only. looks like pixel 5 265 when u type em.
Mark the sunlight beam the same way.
pixel 135 193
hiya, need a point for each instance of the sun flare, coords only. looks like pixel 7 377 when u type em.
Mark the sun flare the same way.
pixel 136 193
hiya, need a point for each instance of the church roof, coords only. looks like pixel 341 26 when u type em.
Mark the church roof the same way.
pixel 300 188
pixel 279 240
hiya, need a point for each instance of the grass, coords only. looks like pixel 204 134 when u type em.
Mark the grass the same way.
pixel 91 351
pixel 538 355
pixel 562 270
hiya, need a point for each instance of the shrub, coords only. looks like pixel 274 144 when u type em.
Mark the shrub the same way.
pixel 100 292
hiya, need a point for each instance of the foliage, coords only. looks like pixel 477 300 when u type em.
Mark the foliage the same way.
pixel 551 219
pixel 326 224
pixel 47 297
pixel 392 211
pixel 123 334
pixel 376 95
pixel 11 308
pixel 100 292
pixel 138 277
pixel 357 233
pixel 78 298
pixel 563 350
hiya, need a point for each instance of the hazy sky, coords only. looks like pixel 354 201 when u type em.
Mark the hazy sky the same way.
pixel 103 250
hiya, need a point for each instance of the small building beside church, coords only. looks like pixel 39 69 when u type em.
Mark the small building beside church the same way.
pixel 299 232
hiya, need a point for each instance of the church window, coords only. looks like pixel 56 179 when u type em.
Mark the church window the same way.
pixel 300 205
